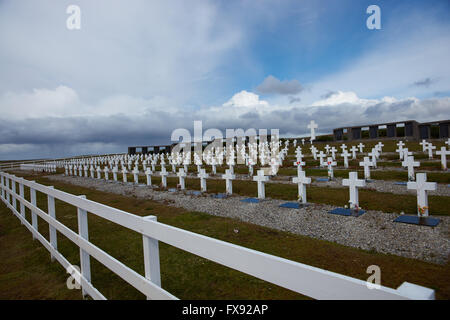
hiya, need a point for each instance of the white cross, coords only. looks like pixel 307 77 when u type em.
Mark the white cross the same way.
pixel 353 150
pixel 301 181
pixel 181 175
pixel 99 172
pixel 400 149
pixel 422 187
pixel 314 152
pixel 333 153
pixel 163 173
pixel 361 146
pixel 424 144
pixel 345 155
pixel 92 171
pixel 327 148
pixel 203 175
pixel 136 175
pixel 410 163
pixel 343 147
pixel 330 164
pixel 448 142
pixel 299 165
pixel 443 153
pixel 124 174
pixel 106 171
pixel 261 179
pixel 406 153
pixel 373 154
pixel 353 183
pixel 312 125
pixel 114 171
pixel 148 174
pixel 321 155
pixel 366 163
pixel 228 176
pixel 430 149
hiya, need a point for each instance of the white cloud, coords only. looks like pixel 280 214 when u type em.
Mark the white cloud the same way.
pixel 245 99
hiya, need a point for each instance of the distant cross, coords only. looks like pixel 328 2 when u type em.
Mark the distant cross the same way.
pixel 353 183
pixel 430 149
pixel 443 153
pixel 366 164
pixel 353 150
pixel 410 163
pixel 327 148
pixel 99 172
pixel 424 144
pixel 301 181
pixel 373 154
pixel 181 176
pixel 405 153
pixel 136 175
pixel 330 164
pixel 343 147
pixel 422 187
pixel 299 165
pixel 261 179
pixel 203 175
pixel 148 174
pixel 333 153
pixel 124 174
pixel 106 171
pixel 312 125
pixel 361 146
pixel 114 171
pixel 229 177
pixel 345 155
pixel 163 173
pixel 321 155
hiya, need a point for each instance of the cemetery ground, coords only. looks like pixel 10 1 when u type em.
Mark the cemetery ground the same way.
pixel 26 274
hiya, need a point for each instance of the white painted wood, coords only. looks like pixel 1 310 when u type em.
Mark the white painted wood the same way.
pixel 151 257
pixel 366 164
pixel 34 220
pixel 83 231
pixel 52 213
pixel 181 177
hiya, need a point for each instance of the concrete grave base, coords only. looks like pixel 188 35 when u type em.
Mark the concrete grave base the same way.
pixel 294 205
pixel 421 221
pixel 347 212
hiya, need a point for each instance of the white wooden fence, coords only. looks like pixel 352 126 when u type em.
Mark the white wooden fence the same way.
pixel 310 281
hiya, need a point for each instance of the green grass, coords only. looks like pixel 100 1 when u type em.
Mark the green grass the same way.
pixel 26 262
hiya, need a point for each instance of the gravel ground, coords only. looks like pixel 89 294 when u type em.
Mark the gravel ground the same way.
pixel 374 230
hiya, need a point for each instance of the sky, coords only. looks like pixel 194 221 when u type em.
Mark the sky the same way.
pixel 137 70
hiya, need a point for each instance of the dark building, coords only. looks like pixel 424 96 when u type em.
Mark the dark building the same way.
pixel 411 129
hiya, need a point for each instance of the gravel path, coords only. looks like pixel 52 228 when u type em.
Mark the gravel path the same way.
pixel 374 230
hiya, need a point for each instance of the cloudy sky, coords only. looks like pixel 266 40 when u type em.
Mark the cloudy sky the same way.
pixel 137 70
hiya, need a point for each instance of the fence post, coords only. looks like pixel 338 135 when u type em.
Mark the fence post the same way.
pixel 34 221
pixel 151 257
pixel 2 186
pixel 8 195
pixel 52 230
pixel 83 231
pixel 22 194
pixel 13 189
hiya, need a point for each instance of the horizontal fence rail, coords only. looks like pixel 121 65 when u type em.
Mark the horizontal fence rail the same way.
pixel 307 280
